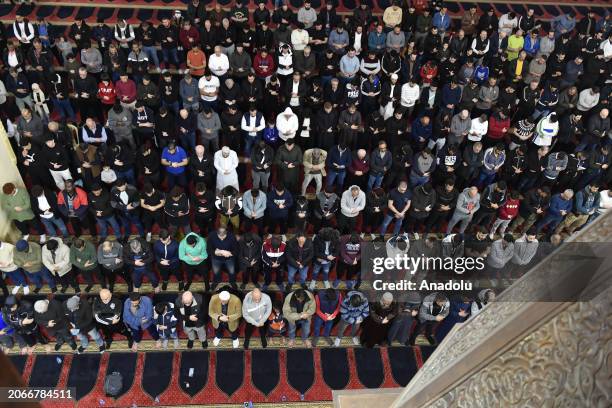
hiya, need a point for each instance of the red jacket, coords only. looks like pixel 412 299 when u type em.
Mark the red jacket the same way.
pixel 509 210
pixel 496 127
pixel 259 65
pixel 327 305
pixel 126 89
pixel 79 203
pixel 185 35
pixel 428 70
pixel 106 93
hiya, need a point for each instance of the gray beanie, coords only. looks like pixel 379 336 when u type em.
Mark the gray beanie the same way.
pixel 73 303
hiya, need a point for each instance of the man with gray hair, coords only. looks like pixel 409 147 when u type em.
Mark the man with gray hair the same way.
pixel 80 318
pixel 190 309
pixel 50 315
pixel 139 257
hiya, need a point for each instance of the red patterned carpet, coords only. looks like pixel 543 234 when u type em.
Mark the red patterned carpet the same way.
pixel 222 376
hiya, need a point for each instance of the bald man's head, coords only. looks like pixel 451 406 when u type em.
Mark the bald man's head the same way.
pixel 105 295
pixel 187 298
pixel 256 296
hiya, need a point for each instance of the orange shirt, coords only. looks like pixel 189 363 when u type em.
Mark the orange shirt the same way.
pixel 196 59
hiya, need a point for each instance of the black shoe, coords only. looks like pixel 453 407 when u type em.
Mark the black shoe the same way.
pixel 63 289
pixel 88 288
pixel 234 286
pixel 181 286
pixel 303 285
pixel 411 341
pixel 111 288
pixel 246 345
pixel 189 344
pixel 264 342
pixel 53 289
pixel 36 290
pixel 130 343
pixel 80 349
pixel 187 285
pixel 243 286
pixel 164 285
pixel 77 290
pixel 205 344
pixel 431 340
pixel 108 343
pixel 57 347
pixel 102 349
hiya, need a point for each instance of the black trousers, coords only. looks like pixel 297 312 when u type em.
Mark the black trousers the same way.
pixel 248 332
pixel 27 225
pixel 90 274
pixel 173 269
pixel 109 330
pixel 78 224
pixel 435 220
pixel 111 277
pixel 150 218
pixel 277 222
pixel 68 279
pixel 250 273
pixel 268 270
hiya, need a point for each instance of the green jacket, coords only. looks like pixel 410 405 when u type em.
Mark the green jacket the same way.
pixel 19 199
pixel 186 251
pixel 78 258
pixel 33 256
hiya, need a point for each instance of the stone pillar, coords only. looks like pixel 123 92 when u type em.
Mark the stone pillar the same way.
pixel 8 173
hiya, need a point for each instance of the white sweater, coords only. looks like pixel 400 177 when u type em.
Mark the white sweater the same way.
pixel 478 130
pixel 409 95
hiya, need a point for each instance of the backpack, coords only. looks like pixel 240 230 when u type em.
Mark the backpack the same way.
pixel 113 384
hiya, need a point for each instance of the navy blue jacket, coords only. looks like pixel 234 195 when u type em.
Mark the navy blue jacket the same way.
pixel 169 252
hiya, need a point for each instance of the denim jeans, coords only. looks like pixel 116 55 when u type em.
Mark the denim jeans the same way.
pixel 128 175
pixel 52 223
pixel 250 141
pixel 108 220
pixel 95 335
pixel 64 108
pixel 484 179
pixel 188 141
pixel 170 56
pixel 16 277
pixel 173 107
pixel 137 333
pixel 387 220
pixel 304 325
pixel 326 324
pixel 174 179
pixel 291 271
pixel 375 181
pixel 128 219
pixel 138 273
pixel 317 267
pixel 37 278
pixel 217 265
pixel 336 176
pixel 151 52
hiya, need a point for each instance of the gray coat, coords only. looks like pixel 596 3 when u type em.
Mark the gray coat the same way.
pixel 213 123
pixel 500 256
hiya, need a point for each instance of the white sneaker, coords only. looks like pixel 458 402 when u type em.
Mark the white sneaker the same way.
pixel 216 341
pixel 362 235
pixel 337 342
pixel 15 290
pixel 356 341
pixel 148 237
pixel 235 343
pixel 176 343
pixel 416 236
pixel 491 236
pixel 313 285
pixel 26 290
pixel 284 237
pixel 25 237
pixel 372 237
pixel 43 239
pixel 327 285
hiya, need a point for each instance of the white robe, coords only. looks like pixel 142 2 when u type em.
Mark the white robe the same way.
pixel 229 164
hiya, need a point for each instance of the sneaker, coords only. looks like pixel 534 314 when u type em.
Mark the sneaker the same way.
pixel 205 344
pixel 307 343
pixel 491 236
pixel 235 343
pixel 164 285
pixel 326 284
pixel 431 340
pixel 15 290
pixel 362 235
pixel 336 284
pixel 63 289
pixel 176 343
pixel 88 288
pixel 36 290
pixel 57 347
pixel 42 239
pixel 181 286
pixel 372 237
pixel 291 343
pixel 337 342
pixel 264 342
pixel 284 237
pixel 130 343
pixel 102 349
pixel 80 350
pixel 26 290
pixel 313 285
pixel 53 289
pixel 148 237
pixel 158 344
pixel 356 341
pixel 189 344
pixel 26 237
pixel 165 344
pixel 216 341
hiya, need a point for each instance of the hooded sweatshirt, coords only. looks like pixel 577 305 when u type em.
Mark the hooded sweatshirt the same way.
pixel 348 202
pixel 467 203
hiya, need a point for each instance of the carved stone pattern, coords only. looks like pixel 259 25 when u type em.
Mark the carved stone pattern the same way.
pixel 476 330
pixel 565 363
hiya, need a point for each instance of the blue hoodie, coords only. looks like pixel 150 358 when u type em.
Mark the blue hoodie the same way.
pixel 169 252
pixel 274 200
pixel 558 204
pixel 342 159
pixel 134 321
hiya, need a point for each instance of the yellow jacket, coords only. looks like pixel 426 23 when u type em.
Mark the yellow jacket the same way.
pixel 234 311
